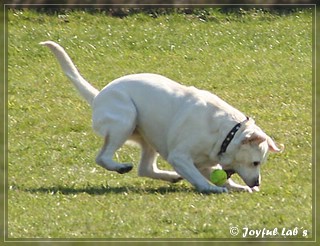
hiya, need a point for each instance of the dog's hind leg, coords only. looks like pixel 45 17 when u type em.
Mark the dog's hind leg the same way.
pixel 105 157
pixel 114 118
pixel 148 166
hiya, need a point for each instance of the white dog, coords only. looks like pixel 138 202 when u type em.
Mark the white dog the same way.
pixel 193 130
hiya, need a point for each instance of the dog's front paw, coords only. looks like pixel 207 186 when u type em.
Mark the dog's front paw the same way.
pixel 255 189
pixel 231 185
pixel 245 189
pixel 250 190
pixel 213 189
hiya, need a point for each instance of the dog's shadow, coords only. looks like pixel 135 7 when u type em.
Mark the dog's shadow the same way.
pixel 102 190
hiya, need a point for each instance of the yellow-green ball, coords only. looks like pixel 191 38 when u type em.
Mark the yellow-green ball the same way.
pixel 218 177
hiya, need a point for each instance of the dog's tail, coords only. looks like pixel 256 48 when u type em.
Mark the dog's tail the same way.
pixel 86 90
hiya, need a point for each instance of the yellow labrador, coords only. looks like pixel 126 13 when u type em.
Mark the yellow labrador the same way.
pixel 194 130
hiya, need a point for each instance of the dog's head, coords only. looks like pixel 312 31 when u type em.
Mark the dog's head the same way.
pixel 247 152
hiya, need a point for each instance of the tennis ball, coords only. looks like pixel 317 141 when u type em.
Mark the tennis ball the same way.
pixel 218 177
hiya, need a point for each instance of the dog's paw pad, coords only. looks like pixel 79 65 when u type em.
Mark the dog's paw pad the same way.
pixel 125 168
pixel 176 180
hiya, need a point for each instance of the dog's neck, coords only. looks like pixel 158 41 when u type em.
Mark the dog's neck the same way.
pixel 230 136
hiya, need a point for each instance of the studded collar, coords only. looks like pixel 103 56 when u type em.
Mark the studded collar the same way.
pixel 230 136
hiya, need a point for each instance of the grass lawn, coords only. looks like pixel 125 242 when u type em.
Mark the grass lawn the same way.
pixel 261 63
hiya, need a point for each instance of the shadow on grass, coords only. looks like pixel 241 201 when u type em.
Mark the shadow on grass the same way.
pixel 101 190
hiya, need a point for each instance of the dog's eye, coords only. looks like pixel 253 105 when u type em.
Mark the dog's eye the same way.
pixel 256 163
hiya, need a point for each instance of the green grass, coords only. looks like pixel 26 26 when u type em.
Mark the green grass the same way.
pixel 261 63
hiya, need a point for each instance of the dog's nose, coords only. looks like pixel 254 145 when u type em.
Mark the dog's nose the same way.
pixel 257 183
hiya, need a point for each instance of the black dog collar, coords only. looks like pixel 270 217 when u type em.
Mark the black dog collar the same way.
pixel 230 136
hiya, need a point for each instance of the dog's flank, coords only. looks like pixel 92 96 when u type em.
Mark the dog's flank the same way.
pixel 87 91
pixel 186 126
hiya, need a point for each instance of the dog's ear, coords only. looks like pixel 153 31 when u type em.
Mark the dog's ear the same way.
pixel 257 138
pixel 273 147
pixel 254 138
